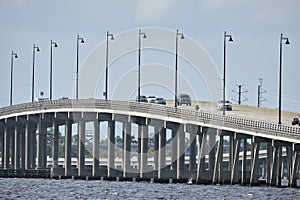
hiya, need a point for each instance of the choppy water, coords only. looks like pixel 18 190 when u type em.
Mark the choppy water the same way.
pixel 79 189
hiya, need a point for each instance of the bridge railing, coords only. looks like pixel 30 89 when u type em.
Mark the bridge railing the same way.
pixel 148 108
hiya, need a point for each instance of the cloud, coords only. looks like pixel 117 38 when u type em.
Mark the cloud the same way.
pixel 152 10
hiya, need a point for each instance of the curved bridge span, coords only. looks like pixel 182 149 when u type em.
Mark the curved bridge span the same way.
pixel 220 149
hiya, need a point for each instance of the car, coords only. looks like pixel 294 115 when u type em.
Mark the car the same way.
pixel 184 99
pixel 160 100
pixel 295 121
pixel 142 99
pixel 151 99
pixel 228 105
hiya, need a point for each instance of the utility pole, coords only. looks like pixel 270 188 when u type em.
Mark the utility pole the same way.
pixel 260 90
pixel 240 92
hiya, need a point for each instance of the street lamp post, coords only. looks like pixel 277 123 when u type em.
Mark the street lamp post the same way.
pixel 13 55
pixel 176 64
pixel 139 64
pixel 77 63
pixel 280 74
pixel 111 36
pixel 35 48
pixel 52 43
pixel 224 71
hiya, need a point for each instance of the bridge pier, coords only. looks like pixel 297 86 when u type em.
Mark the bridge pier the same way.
pixel 111 149
pixel 294 165
pixel 235 175
pixel 68 147
pixel 2 143
pixel 201 155
pixel 126 148
pixel 218 168
pixel 55 144
pixel 7 146
pixel 96 146
pixel 161 152
pixel 17 146
pixel 81 148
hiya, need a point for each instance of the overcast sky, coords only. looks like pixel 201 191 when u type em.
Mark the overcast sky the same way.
pixel 254 24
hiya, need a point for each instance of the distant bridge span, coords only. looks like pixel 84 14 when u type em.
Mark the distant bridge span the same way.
pixel 23 131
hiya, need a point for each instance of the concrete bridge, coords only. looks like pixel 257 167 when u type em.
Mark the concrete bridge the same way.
pixel 24 131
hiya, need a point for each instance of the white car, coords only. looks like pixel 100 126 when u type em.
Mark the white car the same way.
pixel 227 105
pixel 151 99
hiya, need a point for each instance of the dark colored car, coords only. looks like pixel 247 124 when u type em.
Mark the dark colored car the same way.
pixel 142 98
pixel 295 121
pixel 184 99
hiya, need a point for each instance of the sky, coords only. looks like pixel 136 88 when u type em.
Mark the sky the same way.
pixel 255 26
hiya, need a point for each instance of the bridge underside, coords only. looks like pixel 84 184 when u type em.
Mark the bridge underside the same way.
pixel 161 150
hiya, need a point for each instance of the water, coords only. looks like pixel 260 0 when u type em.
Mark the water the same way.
pixel 80 189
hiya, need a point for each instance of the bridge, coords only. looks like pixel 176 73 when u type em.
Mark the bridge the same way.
pixel 26 129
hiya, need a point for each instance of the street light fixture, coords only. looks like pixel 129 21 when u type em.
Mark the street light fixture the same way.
pixel 280 73
pixel 176 63
pixel 13 55
pixel 139 63
pixel 35 48
pixel 108 36
pixel 52 43
pixel 224 72
pixel 77 63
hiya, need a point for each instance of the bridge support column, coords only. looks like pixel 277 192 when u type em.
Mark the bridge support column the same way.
pixel 41 145
pixel 294 165
pixel 218 169
pixel 180 151
pixel 201 155
pixel 192 161
pixel 55 144
pixel 273 168
pixel 212 151
pixel 269 162
pixel 68 147
pixel 162 152
pixel 232 143
pixel 81 148
pixel 279 167
pixel 28 146
pixel 174 149
pixel 12 143
pixel 244 163
pixel 22 148
pixel 289 163
pixel 126 147
pixel 6 153
pixel 2 147
pixel 156 146
pixel 144 150
pixel 111 148
pixel 96 146
pixel 17 147
pixel 254 162
pixel 234 169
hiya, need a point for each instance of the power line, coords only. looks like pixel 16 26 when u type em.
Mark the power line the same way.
pixel 240 98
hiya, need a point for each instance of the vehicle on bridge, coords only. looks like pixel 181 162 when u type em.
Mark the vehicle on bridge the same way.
pixel 151 99
pixel 296 121
pixel 160 100
pixel 142 99
pixel 184 99
pixel 220 104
